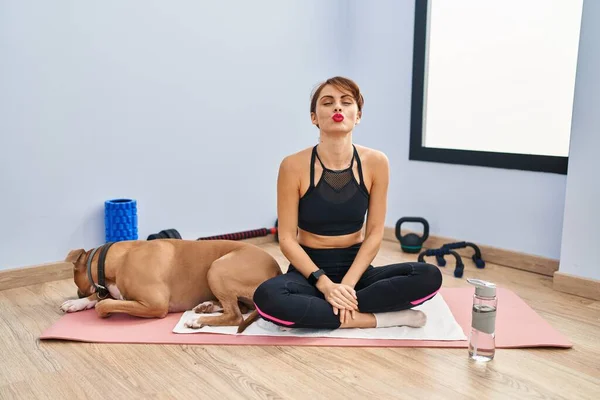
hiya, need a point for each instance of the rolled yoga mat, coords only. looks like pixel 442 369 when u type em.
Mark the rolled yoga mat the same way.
pixel 120 220
pixel 517 326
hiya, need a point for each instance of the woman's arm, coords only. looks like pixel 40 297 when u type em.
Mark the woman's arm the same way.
pixel 375 220
pixel 288 197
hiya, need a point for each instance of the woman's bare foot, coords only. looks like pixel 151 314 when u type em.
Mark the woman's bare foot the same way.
pixel 412 318
pixel 361 320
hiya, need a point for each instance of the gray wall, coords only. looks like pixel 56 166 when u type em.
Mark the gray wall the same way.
pixel 581 231
pixel 190 107
pixel 516 210
pixel 186 106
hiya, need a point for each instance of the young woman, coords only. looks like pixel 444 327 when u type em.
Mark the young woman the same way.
pixel 323 194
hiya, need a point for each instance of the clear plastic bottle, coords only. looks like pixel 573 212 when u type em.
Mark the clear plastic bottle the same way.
pixel 482 340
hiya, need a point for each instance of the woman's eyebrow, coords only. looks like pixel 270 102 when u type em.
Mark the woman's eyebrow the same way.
pixel 331 97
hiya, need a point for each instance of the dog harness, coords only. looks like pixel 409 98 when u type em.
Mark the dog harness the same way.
pixel 101 290
pixel 337 204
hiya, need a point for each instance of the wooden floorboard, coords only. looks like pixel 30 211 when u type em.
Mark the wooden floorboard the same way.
pixel 30 368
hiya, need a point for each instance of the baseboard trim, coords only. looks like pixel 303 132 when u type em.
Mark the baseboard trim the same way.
pixel 56 271
pixel 583 287
pixel 507 258
pixel 18 277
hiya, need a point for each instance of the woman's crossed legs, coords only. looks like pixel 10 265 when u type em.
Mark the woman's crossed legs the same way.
pixel 385 297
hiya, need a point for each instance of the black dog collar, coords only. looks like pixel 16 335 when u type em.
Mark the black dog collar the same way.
pixel 101 290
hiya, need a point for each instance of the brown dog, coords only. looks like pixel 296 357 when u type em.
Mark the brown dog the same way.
pixel 153 278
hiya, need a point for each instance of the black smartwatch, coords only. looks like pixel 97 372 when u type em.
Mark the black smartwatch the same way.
pixel 314 276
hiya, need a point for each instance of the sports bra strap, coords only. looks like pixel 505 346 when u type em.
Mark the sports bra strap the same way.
pixel 358 166
pixel 312 167
pixel 316 153
pixel 312 163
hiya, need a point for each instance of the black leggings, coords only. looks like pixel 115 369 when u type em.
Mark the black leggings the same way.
pixel 289 300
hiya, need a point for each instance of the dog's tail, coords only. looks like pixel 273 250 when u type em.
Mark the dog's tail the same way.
pixel 248 321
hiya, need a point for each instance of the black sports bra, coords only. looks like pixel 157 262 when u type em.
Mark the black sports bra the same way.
pixel 337 204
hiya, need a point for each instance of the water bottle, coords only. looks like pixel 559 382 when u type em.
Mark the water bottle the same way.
pixel 482 340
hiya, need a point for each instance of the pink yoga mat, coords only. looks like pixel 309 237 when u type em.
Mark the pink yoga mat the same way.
pixel 517 325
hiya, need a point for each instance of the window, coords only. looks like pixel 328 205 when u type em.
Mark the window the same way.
pixel 493 82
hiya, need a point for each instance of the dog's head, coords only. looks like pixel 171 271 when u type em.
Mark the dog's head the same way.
pixel 78 259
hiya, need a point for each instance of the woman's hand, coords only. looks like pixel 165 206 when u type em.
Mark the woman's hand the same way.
pixel 345 315
pixel 340 296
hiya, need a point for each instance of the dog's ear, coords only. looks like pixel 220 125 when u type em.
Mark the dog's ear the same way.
pixel 74 256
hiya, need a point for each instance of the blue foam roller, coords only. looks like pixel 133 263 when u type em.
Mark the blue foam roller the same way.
pixel 120 220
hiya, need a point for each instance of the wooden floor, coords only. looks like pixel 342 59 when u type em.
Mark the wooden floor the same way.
pixel 67 370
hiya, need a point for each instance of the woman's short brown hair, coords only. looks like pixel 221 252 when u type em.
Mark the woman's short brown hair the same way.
pixel 340 83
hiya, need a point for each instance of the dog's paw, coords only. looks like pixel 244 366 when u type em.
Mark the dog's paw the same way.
pixel 77 305
pixel 194 324
pixel 102 309
pixel 207 307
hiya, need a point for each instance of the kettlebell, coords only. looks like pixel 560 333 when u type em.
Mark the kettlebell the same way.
pixel 411 242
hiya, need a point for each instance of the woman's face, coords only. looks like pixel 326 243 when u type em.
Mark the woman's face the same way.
pixel 336 111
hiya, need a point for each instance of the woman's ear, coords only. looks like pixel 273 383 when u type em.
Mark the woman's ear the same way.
pixel 313 119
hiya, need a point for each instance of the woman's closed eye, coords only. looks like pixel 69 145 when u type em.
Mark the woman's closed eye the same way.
pixel 346 103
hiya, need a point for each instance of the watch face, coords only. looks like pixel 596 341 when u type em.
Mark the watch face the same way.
pixel 315 276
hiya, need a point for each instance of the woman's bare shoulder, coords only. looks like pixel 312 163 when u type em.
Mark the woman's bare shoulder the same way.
pixel 371 156
pixel 297 161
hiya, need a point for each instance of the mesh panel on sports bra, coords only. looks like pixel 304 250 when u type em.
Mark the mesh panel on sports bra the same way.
pixel 337 190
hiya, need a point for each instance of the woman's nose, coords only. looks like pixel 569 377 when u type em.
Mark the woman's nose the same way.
pixel 338 108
